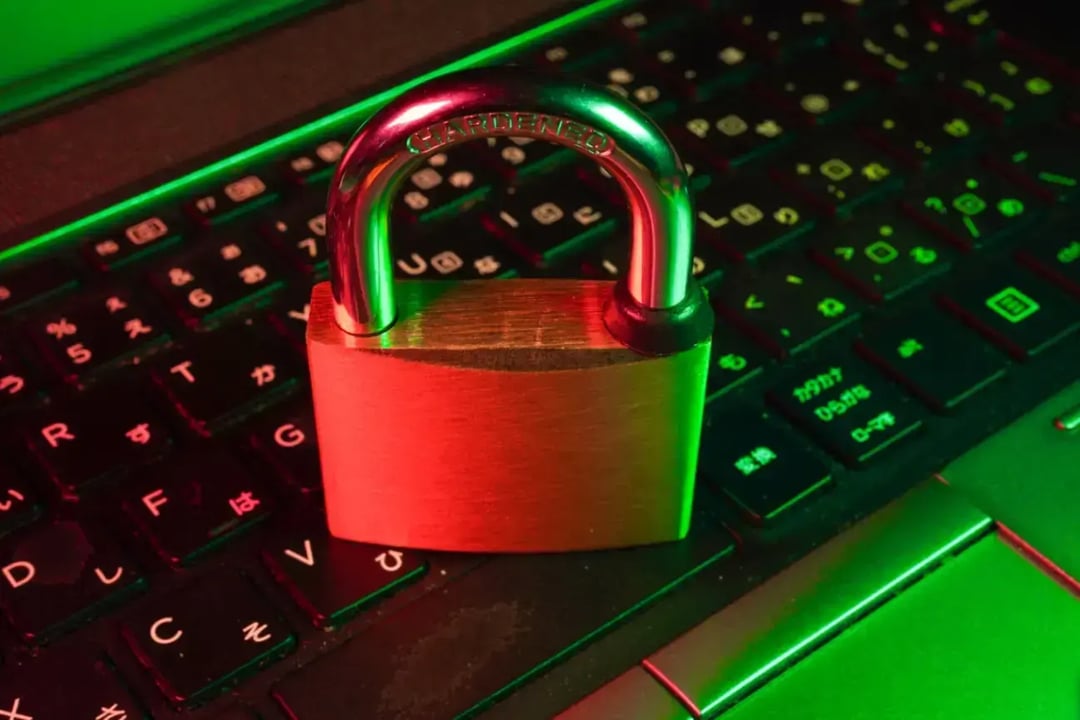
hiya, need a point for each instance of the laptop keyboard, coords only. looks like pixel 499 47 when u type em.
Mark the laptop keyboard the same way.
pixel 884 229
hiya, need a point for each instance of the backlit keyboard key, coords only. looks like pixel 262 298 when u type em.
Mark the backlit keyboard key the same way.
pixel 763 468
pixel 17 383
pixel 819 88
pixel 198 639
pixel 851 409
pixel 933 355
pixel 732 129
pixel 19 501
pixel 969 206
pixel 901 46
pixel 33 282
pixel 222 273
pixel 700 61
pixel 298 230
pixel 881 253
pixel 784 28
pixel 444 182
pixel 90 688
pixel 234 198
pixel 921 134
pixel 86 332
pixel 58 574
pixel 1036 160
pixel 133 242
pixel 735 359
pixel 1003 87
pixel 314 164
pixel 1014 308
pixel 216 377
pixel 836 171
pixel 193 503
pixel 332 579
pixel 285 435
pixel 1055 253
pixel 458 248
pixel 551 216
pixel 786 304
pixel 95 434
pixel 746 217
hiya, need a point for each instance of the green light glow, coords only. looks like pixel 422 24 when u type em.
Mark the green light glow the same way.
pixel 977 527
pixel 351 114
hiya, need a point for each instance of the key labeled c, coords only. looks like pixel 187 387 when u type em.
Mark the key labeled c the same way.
pixel 160 639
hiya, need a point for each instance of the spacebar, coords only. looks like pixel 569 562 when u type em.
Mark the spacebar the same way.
pixel 481 636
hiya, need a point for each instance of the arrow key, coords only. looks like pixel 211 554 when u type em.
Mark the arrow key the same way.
pixel 332 579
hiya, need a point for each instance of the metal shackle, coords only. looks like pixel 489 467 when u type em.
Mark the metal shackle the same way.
pixel 510 101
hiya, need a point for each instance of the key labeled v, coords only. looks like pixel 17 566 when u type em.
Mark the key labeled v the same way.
pixel 308 558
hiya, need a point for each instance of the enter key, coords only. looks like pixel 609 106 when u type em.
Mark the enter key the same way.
pixel 1027 477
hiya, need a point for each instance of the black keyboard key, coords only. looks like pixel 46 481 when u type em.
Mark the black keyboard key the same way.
pixel 1037 161
pixel 763 468
pixel 937 359
pixel 587 46
pixel 205 636
pixel 84 333
pixel 95 434
pixel 881 253
pixel 455 249
pixel 644 20
pixel 502 622
pixel 734 359
pixel 786 28
pixel 819 87
pixel 315 165
pixel 298 230
pixel 19 502
pixel 1014 308
pixel 66 684
pixel 33 282
pixel 234 198
pixel 966 19
pixel 836 171
pixel 609 260
pixel 332 579
pixel 732 129
pixel 748 216
pixel 190 505
pixel 1055 253
pixel 285 435
pixel 133 242
pixel 17 383
pixel 1004 87
pixel 969 206
pixel 900 47
pixel 222 273
pixel 699 62
pixel 921 134
pixel 59 574
pixel 786 304
pixel 217 377
pixel 633 78
pixel 552 216
pixel 289 313
pixel 848 407
pixel 445 182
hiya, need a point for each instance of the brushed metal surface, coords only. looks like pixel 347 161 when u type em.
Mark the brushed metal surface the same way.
pixel 769 628
pixel 502 417
pixel 1027 477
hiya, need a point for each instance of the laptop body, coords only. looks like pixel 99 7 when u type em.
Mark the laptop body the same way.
pixel 695 628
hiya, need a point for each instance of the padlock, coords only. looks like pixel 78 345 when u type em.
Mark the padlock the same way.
pixel 509 415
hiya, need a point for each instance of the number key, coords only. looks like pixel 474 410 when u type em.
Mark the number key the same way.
pixel 299 232
pixel 853 411
pixel 236 197
pixel 133 242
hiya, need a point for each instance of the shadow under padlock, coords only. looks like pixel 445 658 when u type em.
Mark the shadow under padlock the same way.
pixel 552 414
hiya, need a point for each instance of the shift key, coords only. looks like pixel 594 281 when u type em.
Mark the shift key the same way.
pixel 478 637
pixel 853 410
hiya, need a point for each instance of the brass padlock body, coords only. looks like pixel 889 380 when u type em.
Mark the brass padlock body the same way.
pixel 503 414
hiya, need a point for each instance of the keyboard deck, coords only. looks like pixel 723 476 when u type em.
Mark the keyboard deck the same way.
pixel 886 225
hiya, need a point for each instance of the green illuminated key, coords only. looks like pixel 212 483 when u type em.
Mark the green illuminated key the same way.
pixel 1002 87
pixel 970 206
pixel 1055 253
pixel 748 216
pixel 921 134
pixel 851 409
pixel 1038 162
pixel 763 468
pixel 1014 308
pixel 881 253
